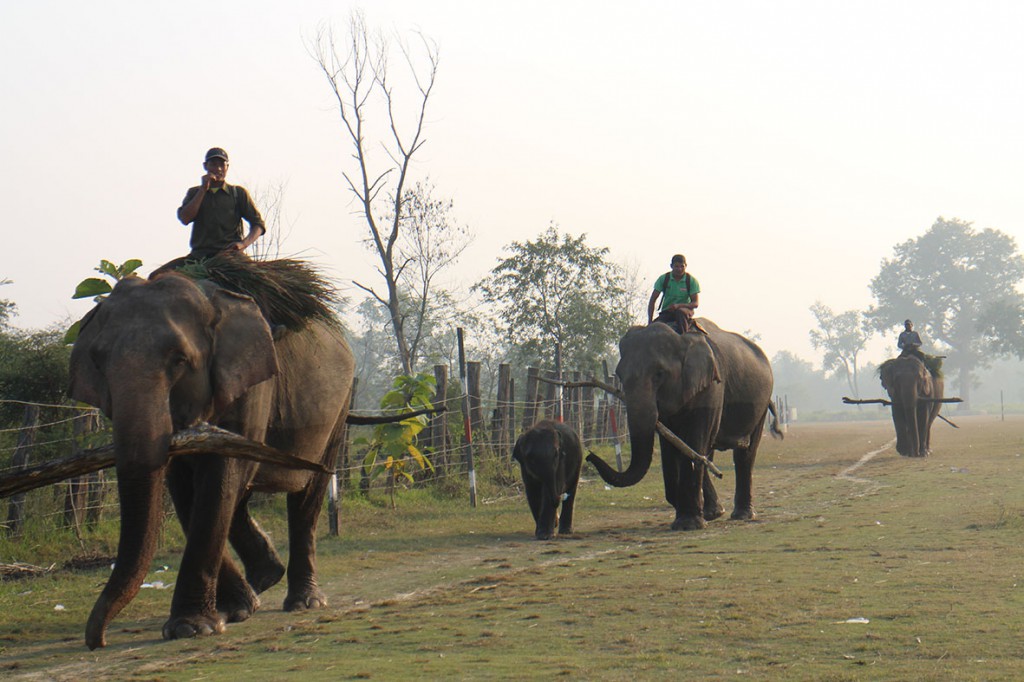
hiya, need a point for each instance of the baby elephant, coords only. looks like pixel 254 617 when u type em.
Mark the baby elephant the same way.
pixel 550 456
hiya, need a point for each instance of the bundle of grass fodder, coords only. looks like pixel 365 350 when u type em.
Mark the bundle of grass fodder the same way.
pixel 289 292
pixel 933 363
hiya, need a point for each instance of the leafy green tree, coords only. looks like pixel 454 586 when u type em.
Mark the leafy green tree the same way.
pixel 842 337
pixel 558 289
pixel 960 287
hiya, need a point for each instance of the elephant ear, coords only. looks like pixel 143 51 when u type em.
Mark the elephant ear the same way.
pixel 243 348
pixel 700 368
pixel 88 385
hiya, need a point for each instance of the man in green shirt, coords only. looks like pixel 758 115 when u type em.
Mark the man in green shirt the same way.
pixel 680 294
pixel 216 210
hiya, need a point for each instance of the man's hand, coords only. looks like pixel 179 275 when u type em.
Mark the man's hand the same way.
pixel 205 181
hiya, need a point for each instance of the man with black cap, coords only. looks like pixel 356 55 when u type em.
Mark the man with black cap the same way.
pixel 216 210
pixel 680 293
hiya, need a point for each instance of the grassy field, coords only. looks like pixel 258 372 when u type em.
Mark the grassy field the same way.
pixel 862 566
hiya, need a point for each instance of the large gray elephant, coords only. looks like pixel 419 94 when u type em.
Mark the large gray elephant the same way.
pixel 163 354
pixel 915 392
pixel 711 390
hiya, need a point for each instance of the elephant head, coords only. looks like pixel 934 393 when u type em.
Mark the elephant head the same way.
pixel 914 393
pixel 662 373
pixel 157 356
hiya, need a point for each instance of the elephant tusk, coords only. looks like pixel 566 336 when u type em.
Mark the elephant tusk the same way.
pixel 203 439
pixel 686 449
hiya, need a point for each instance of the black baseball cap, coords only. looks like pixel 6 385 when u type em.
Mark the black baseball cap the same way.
pixel 216 153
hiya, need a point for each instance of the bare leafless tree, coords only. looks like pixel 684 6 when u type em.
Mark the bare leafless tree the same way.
pixel 357 72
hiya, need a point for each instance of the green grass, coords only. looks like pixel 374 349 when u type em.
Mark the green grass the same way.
pixel 926 550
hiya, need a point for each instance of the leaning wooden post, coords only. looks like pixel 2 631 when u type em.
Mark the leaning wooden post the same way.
pixel 467 438
pixel 26 438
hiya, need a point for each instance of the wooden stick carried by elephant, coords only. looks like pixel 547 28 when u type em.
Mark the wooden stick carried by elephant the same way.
pixel 887 403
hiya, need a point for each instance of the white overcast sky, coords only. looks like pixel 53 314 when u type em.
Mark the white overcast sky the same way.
pixel 785 147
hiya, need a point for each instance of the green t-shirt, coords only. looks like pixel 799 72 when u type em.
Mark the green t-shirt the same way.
pixel 678 291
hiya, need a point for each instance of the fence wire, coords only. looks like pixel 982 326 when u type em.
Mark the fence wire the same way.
pixel 58 431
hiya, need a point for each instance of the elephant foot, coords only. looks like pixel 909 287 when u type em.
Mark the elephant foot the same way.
pixel 310 599
pixel 543 536
pixel 712 513
pixel 262 578
pixel 689 523
pixel 185 627
pixel 239 607
pixel 744 514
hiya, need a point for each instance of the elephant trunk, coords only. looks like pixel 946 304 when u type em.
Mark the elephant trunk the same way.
pixel 141 468
pixel 641 416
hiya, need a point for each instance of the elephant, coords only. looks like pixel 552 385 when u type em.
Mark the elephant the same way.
pixel 713 390
pixel 915 392
pixel 550 457
pixel 166 353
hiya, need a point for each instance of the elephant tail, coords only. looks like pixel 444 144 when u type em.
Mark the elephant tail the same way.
pixel 774 425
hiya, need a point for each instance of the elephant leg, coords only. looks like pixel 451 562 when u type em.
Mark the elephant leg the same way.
pixel 684 484
pixel 743 463
pixel 565 520
pixel 210 590
pixel 535 497
pixel 304 509
pixel 263 566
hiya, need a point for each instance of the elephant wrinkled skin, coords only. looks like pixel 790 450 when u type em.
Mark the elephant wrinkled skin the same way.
pixel 914 392
pixel 550 457
pixel 712 390
pixel 161 355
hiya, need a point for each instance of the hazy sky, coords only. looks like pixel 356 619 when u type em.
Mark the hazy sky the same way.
pixel 784 147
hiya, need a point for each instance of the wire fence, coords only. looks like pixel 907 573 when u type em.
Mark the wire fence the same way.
pixel 51 432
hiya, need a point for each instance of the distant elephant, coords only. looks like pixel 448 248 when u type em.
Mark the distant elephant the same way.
pixel 712 390
pixel 550 457
pixel 915 393
pixel 163 354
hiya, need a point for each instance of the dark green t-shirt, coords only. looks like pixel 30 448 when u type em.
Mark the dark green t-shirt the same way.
pixel 678 291
pixel 218 223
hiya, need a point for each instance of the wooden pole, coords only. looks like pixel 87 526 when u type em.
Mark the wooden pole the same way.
pixel 530 401
pixel 467 438
pixel 439 422
pixel 26 438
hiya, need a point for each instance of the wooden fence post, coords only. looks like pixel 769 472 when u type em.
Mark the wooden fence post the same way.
pixel 26 439
pixel 531 399
pixel 439 423
pixel 476 413
pixel 500 425
pixel 78 490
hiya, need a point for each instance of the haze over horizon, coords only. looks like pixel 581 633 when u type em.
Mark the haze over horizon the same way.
pixel 785 147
